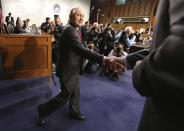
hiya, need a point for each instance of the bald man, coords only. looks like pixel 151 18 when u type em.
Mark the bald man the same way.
pixel 71 54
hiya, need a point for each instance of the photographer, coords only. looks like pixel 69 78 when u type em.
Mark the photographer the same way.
pixel 84 31
pixel 108 70
pixel 56 32
pixel 108 37
pixel 89 64
pixel 93 34
pixel 127 42
pixel 118 52
pixel 45 27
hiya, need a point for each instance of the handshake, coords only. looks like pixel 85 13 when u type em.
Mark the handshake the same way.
pixel 117 63
pixel 114 63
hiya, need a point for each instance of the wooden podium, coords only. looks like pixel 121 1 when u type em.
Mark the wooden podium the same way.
pixel 25 56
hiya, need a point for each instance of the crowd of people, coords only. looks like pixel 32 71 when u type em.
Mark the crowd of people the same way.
pixel 17 27
pixel 102 39
pixel 157 74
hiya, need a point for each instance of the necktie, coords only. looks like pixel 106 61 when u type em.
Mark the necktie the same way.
pixel 79 34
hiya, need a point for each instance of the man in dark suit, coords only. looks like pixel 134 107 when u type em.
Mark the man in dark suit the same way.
pixel 9 19
pixel 10 23
pixel 160 76
pixel 46 26
pixel 84 31
pixel 56 31
pixel 71 53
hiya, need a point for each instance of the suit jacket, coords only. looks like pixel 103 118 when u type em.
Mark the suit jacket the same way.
pixel 7 20
pixel 84 30
pixel 72 52
pixel 25 24
pixel 133 57
pixel 160 77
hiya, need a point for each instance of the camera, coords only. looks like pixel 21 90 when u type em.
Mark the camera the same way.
pixel 107 29
pixel 56 29
pixel 118 52
pixel 94 28
pixel 90 47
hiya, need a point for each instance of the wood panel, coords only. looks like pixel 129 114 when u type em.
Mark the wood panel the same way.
pixel 131 10
pixel 127 6
pixel 118 10
pixel 122 10
pixel 136 10
pixel 113 8
pixel 152 15
pixel 25 56
pixel 148 8
pixel 145 8
pixel 134 26
pixel 105 12
pixel 141 9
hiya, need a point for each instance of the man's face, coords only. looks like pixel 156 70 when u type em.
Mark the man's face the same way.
pixel 48 20
pixel 58 22
pixel 77 18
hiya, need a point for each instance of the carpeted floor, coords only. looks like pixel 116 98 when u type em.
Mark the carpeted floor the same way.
pixel 108 105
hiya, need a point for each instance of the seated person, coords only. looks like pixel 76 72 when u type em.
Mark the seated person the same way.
pixel 137 34
pixel 19 28
pixel 147 40
pixel 118 35
pixel 18 20
pixel 26 22
pixel 126 40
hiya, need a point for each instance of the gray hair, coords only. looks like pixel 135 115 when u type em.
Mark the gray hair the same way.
pixel 72 12
pixel 57 18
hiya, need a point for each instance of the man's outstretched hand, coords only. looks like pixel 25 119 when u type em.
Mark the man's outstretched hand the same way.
pixel 114 63
pixel 114 59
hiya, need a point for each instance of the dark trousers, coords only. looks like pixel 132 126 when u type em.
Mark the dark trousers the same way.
pixel 70 91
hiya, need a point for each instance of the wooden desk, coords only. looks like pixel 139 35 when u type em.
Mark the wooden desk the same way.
pixel 25 56
pixel 137 47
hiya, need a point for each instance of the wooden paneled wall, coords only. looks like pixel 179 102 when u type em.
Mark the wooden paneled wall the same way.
pixel 25 56
pixel 110 10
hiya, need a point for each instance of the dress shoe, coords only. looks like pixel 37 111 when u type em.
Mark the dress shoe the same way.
pixel 77 116
pixel 41 119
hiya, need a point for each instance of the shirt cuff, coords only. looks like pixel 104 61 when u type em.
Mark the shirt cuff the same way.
pixel 127 66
